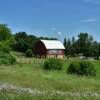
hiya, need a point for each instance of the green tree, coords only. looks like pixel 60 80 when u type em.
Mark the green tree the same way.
pixel 99 49
pixel 24 42
pixel 95 50
pixel 68 47
pixel 73 47
pixel 5 32
pixel 20 36
pixel 47 38
pixel 85 42
pixel 65 45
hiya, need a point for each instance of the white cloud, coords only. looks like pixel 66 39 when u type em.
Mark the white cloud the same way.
pixel 90 20
pixel 59 33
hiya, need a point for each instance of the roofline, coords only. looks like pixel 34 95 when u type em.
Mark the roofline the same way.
pixel 41 40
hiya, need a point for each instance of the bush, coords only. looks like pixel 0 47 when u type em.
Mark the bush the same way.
pixel 82 68
pixel 29 53
pixel 53 64
pixel 4 48
pixel 7 59
pixel 74 68
pixel 5 56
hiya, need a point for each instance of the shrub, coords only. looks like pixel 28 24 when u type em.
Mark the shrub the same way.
pixel 29 53
pixel 87 68
pixel 4 48
pixel 82 68
pixel 5 56
pixel 74 68
pixel 7 59
pixel 53 64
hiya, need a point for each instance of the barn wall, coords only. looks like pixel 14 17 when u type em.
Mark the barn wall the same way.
pixel 55 52
pixel 40 49
pixel 60 54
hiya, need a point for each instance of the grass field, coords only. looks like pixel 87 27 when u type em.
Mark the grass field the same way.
pixel 51 85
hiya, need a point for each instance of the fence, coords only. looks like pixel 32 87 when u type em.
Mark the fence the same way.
pixel 30 60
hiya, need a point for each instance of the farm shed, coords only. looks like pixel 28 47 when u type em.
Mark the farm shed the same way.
pixel 49 49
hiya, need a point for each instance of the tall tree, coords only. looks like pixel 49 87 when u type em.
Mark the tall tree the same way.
pixel 24 42
pixel 68 47
pixel 65 45
pixel 85 43
pixel 5 32
pixel 73 47
pixel 20 36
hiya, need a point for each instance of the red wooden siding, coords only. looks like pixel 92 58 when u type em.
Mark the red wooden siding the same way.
pixel 40 49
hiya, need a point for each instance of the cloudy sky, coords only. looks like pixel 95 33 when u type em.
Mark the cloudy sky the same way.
pixel 54 18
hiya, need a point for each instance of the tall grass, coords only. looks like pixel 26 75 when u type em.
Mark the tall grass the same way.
pixel 31 75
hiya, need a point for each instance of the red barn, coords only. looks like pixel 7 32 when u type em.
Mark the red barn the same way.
pixel 50 48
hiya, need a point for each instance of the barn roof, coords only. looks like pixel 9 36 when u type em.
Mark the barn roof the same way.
pixel 53 44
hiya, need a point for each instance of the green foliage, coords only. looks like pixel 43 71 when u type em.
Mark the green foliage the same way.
pixel 5 56
pixel 74 68
pixel 5 32
pixel 7 59
pixel 4 47
pixel 65 45
pixel 53 64
pixel 29 53
pixel 24 42
pixel 82 68
pixel 84 45
pixel 20 46
pixel 47 38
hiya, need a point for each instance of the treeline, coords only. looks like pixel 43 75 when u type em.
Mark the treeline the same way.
pixel 21 42
pixel 85 45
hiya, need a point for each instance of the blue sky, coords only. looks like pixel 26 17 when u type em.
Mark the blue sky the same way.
pixel 53 18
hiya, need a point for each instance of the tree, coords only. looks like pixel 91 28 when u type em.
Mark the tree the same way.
pixel 73 40
pixel 65 45
pixel 98 50
pixel 5 32
pixel 24 42
pixel 20 36
pixel 47 38
pixel 95 50
pixel 73 47
pixel 85 42
pixel 68 47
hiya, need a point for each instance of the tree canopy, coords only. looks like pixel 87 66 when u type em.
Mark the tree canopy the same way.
pixel 84 45
pixel 5 32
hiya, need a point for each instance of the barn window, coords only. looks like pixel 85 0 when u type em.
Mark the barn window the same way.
pixel 55 51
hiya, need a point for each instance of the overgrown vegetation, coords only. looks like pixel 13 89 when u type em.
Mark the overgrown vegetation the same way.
pixel 21 42
pixel 29 53
pixel 5 56
pixel 53 64
pixel 82 68
pixel 52 82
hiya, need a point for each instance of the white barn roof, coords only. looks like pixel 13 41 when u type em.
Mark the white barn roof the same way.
pixel 53 44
